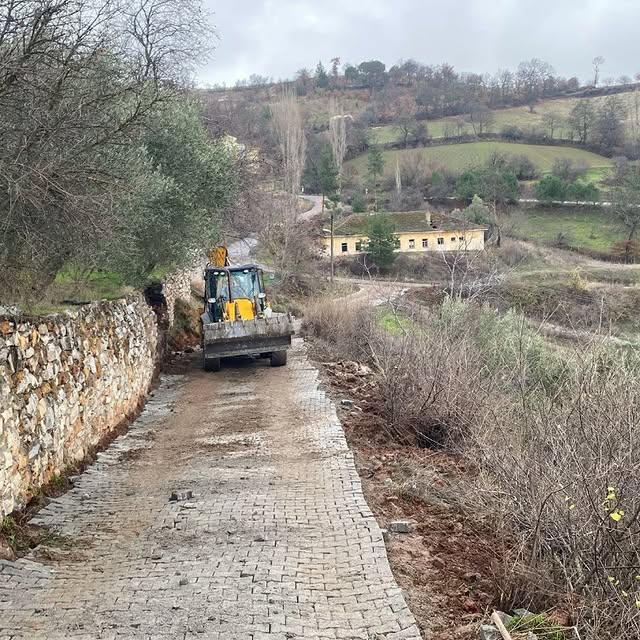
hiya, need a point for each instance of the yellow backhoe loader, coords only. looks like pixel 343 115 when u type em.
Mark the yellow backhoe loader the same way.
pixel 238 319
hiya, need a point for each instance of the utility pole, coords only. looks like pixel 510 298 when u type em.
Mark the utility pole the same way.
pixel 331 245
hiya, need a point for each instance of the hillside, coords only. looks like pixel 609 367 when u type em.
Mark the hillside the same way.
pixel 458 157
pixel 584 229
pixel 523 118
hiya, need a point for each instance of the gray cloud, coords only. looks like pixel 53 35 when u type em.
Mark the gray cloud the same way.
pixel 278 37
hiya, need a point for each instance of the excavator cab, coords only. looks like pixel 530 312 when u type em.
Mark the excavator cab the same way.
pixel 236 293
pixel 237 318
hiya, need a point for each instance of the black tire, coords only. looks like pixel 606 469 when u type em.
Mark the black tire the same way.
pixel 211 364
pixel 278 358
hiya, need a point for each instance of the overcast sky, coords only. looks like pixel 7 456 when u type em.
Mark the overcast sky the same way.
pixel 278 37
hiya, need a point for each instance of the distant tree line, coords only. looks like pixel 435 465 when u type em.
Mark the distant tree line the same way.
pixel 440 90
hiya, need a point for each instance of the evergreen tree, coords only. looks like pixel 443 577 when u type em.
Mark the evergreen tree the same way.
pixel 375 169
pixel 382 241
pixel 327 175
pixel 551 188
pixel 322 79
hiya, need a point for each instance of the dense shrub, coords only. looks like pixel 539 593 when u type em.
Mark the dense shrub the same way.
pixel 551 188
pixel 441 184
pixel 491 183
pixel 583 192
pixel 552 433
pixel 358 203
pixel 511 132
pixel 554 189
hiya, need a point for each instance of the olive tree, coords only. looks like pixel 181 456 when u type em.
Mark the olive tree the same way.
pixel 80 81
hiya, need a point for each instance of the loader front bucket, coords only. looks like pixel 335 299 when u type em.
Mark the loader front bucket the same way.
pixel 246 337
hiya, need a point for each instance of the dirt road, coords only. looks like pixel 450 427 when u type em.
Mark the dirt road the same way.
pixel 277 541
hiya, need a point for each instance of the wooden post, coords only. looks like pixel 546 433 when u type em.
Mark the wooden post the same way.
pixel 497 621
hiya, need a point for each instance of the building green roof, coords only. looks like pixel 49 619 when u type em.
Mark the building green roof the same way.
pixel 357 224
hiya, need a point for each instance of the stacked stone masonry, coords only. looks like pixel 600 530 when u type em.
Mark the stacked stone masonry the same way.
pixel 65 382
pixel 174 287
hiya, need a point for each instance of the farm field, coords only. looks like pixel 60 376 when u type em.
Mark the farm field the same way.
pixel 584 228
pixel 458 157
pixel 517 116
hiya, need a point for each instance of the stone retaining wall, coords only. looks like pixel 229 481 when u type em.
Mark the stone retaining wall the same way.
pixel 176 286
pixel 66 381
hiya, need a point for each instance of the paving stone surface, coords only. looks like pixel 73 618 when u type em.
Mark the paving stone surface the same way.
pixel 277 541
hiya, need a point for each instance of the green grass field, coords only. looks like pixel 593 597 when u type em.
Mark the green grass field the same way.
pixel 458 157
pixel 590 229
pixel 519 117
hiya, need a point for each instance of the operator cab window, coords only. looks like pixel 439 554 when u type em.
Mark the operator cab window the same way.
pixel 244 284
pixel 219 285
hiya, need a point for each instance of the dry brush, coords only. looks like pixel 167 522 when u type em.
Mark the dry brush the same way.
pixel 551 433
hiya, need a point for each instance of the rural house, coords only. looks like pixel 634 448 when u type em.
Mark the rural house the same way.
pixel 417 231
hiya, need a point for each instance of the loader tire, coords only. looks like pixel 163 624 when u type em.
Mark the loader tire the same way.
pixel 278 358
pixel 211 364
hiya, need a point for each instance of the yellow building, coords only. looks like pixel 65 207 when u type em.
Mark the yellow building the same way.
pixel 417 232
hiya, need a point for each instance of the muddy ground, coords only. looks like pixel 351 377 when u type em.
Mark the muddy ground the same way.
pixel 445 564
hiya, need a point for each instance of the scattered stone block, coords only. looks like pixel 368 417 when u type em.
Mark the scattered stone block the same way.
pixel 181 495
pixel 523 613
pixel 400 526
pixel 489 632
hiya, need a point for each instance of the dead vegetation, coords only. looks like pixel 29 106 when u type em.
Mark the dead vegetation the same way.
pixel 18 536
pixel 546 439
pixel 443 565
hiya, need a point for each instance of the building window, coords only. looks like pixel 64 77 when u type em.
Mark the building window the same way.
pixel 453 239
pixel 412 243
pixel 440 240
pixel 425 243
pixel 461 238
pixel 359 245
pixel 345 247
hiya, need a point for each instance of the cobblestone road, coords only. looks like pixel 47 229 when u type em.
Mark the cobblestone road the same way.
pixel 276 543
